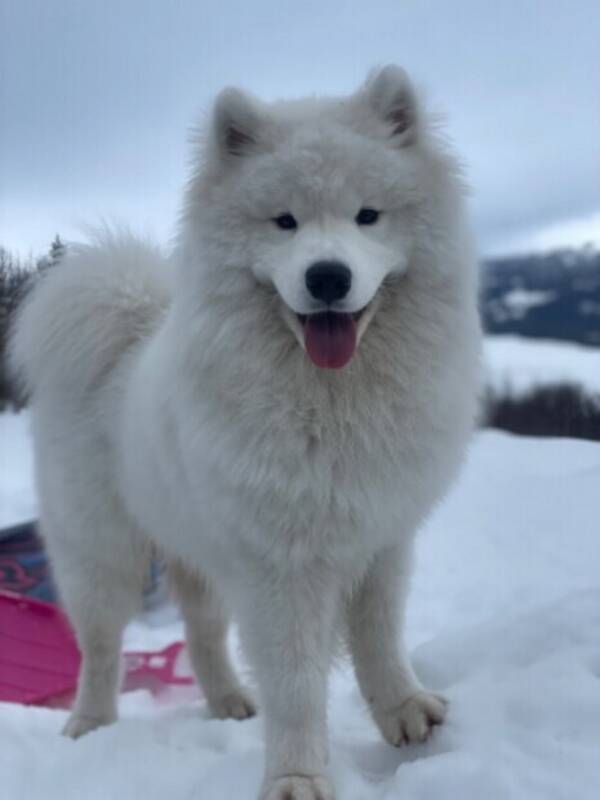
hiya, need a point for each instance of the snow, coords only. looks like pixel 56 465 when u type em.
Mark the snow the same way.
pixel 519 300
pixel 516 364
pixel 17 500
pixel 504 618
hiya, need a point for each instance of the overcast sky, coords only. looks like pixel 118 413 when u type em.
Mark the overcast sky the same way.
pixel 96 97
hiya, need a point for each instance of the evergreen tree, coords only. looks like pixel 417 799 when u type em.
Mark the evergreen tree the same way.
pixel 57 250
pixel 14 281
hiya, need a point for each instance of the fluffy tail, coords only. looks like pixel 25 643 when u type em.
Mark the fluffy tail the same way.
pixel 82 314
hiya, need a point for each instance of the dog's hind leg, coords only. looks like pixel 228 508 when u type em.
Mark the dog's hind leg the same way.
pixel 100 575
pixel 403 710
pixel 206 633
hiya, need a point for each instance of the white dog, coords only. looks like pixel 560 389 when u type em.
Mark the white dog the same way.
pixel 277 413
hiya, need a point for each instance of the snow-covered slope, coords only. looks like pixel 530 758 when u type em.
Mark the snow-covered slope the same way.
pixel 17 499
pixel 504 618
pixel 516 364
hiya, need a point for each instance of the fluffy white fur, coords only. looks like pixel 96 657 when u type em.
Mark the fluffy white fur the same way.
pixel 173 406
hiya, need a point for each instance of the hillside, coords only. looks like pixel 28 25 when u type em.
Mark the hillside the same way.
pixel 549 296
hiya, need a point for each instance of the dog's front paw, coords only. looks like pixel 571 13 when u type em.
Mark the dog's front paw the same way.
pixel 234 705
pixel 413 720
pixel 78 725
pixel 298 787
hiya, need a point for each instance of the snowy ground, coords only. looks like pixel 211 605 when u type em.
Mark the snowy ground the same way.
pixel 504 619
pixel 516 364
pixel 17 500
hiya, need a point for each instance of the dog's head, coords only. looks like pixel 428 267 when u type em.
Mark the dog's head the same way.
pixel 319 199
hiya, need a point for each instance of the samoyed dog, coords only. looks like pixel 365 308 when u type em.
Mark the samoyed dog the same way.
pixel 275 409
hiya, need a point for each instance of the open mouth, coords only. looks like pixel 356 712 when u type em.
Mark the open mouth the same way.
pixel 330 337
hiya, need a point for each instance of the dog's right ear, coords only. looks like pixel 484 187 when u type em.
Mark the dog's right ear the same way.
pixel 237 123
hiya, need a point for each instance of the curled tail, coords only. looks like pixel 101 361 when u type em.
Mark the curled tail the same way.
pixel 84 313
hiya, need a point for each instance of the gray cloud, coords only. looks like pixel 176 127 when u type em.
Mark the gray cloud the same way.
pixel 96 98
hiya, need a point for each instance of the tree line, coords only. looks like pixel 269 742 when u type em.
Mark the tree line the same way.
pixel 16 277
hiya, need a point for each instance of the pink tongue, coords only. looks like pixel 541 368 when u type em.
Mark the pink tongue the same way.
pixel 330 339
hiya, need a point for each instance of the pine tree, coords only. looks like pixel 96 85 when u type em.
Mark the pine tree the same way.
pixel 57 250
pixel 15 278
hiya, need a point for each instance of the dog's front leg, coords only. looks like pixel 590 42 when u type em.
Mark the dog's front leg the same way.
pixel 287 623
pixel 403 710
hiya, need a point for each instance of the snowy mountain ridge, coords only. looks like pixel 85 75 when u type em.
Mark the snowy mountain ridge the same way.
pixel 550 296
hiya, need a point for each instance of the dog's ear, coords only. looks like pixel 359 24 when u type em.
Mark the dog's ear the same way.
pixel 391 96
pixel 237 123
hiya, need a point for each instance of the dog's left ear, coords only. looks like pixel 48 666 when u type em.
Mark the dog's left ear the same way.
pixel 391 96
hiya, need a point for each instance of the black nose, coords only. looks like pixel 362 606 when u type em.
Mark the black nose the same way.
pixel 328 280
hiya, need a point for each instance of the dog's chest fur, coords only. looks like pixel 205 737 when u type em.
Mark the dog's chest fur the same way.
pixel 322 461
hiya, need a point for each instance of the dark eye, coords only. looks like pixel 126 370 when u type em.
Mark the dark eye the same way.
pixel 367 216
pixel 286 222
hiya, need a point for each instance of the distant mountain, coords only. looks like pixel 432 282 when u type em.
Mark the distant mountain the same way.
pixel 551 296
